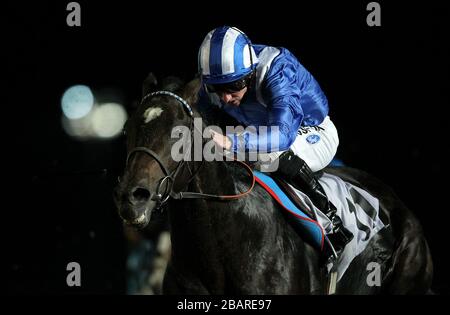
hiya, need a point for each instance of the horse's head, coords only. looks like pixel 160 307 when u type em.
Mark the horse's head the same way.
pixel 149 169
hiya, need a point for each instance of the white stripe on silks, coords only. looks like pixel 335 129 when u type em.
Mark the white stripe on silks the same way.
pixel 229 41
pixel 247 59
pixel 204 54
pixel 266 56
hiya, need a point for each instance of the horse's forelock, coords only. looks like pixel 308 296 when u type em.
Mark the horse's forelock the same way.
pixel 160 113
pixel 172 84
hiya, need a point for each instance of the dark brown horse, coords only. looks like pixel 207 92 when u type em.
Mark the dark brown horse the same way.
pixel 246 246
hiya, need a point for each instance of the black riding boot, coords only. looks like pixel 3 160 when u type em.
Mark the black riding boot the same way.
pixel 297 173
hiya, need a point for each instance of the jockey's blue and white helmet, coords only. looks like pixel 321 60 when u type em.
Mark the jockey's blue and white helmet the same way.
pixel 226 55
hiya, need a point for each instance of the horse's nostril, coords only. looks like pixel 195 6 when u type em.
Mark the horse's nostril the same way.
pixel 141 194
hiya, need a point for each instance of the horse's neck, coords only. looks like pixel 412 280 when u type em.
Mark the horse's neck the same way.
pixel 215 178
pixel 209 236
pixel 210 178
pixel 194 243
pixel 192 220
pixel 218 178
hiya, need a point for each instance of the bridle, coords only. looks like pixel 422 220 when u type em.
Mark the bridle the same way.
pixel 161 197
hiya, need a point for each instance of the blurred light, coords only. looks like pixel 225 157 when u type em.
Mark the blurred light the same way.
pixel 78 128
pixel 108 120
pixel 77 101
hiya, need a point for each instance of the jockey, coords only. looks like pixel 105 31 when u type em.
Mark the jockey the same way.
pixel 260 85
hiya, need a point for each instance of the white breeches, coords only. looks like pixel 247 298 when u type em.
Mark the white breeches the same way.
pixel 316 145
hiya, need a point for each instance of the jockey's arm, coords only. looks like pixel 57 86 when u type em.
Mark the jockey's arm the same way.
pixel 285 117
pixel 282 92
pixel 289 90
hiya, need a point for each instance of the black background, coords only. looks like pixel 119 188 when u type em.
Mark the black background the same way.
pixel 387 88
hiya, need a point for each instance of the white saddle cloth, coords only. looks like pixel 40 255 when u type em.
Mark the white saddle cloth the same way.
pixel 358 210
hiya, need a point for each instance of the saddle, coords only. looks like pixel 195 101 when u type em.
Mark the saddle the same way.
pixel 294 197
pixel 358 209
pixel 304 220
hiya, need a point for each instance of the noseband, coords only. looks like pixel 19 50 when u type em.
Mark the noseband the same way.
pixel 161 197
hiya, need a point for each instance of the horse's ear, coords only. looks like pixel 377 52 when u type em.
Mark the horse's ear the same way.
pixel 150 84
pixel 190 92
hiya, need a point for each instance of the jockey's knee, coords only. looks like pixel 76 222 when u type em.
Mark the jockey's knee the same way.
pixel 315 159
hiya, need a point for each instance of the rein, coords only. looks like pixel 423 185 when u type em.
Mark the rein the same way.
pixel 161 197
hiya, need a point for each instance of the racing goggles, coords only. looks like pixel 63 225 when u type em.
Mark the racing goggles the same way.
pixel 230 87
